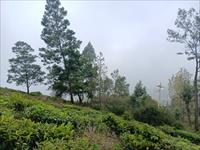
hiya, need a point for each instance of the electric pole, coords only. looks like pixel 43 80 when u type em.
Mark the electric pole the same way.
pixel 160 87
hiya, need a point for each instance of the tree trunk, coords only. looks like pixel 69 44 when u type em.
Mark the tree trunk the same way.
pixel 71 94
pixel 27 89
pixel 71 97
pixel 188 113
pixel 27 84
pixel 100 100
pixel 80 98
pixel 183 110
pixel 196 126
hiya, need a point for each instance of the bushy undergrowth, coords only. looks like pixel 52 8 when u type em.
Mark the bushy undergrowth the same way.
pixel 28 123
pixel 117 105
pixel 136 135
pixel 193 137
pixel 24 133
pixel 155 116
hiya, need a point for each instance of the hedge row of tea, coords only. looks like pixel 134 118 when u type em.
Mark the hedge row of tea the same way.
pixel 27 123
pixel 193 137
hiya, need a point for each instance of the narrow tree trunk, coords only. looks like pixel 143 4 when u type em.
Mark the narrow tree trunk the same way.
pixel 27 84
pixel 80 99
pixel 196 97
pixel 100 98
pixel 100 84
pixel 71 97
pixel 188 113
pixel 71 94
pixel 27 89
pixel 183 110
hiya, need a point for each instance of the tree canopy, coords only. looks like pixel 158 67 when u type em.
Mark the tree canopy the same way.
pixel 61 56
pixel 23 68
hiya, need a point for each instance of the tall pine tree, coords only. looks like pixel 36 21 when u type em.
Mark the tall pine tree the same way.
pixel 89 53
pixel 61 56
pixel 23 70
pixel 89 70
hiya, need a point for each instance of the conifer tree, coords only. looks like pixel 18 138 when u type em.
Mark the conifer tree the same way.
pixel 89 70
pixel 61 56
pixel 23 70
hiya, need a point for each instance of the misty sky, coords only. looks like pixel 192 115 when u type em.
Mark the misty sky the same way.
pixel 131 34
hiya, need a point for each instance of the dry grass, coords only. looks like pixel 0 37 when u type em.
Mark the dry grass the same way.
pixel 105 141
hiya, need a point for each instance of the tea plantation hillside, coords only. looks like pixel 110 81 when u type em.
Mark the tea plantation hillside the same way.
pixel 40 122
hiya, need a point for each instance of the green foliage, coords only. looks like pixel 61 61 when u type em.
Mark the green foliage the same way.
pixel 127 115
pixel 136 135
pixel 135 141
pixel 121 87
pixel 181 93
pixel 107 86
pixel 154 116
pixel 187 33
pixel 101 74
pixel 178 85
pixel 41 125
pixel 23 70
pixel 140 90
pixel 139 95
pixel 187 24
pixel 36 93
pixel 26 134
pixel 117 105
pixel 89 70
pixel 89 53
pixel 193 137
pixel 61 56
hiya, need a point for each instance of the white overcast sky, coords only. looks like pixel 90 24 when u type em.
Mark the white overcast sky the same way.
pixel 131 34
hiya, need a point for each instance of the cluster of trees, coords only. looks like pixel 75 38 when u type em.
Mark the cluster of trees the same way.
pixel 188 34
pixel 70 72
pixel 84 74
pixel 181 94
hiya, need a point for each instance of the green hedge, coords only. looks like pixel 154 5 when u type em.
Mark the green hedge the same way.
pixel 27 123
pixel 193 137
pixel 24 133
pixel 136 135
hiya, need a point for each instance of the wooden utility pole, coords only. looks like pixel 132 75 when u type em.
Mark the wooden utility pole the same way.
pixel 160 87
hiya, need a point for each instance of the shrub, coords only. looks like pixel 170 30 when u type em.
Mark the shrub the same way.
pixel 127 115
pixel 193 137
pixel 43 126
pixel 23 133
pixel 36 93
pixel 143 136
pixel 18 106
pixel 154 116
pixel 134 141
pixel 117 105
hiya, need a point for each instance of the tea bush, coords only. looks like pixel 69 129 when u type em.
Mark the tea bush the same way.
pixel 135 134
pixel 36 93
pixel 26 134
pixel 154 116
pixel 28 123
pixel 193 137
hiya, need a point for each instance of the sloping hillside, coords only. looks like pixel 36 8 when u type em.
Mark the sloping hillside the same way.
pixel 31 122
